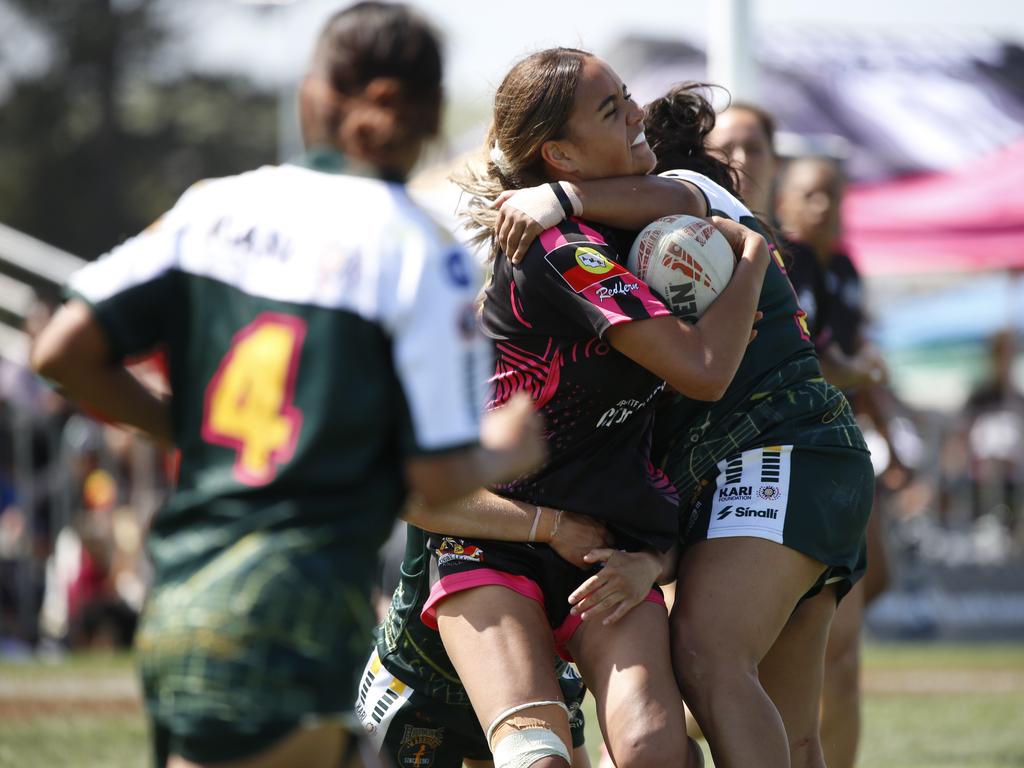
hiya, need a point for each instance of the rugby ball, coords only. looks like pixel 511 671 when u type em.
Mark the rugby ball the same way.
pixel 685 260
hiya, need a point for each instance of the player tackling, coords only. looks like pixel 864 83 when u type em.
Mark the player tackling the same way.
pixel 324 360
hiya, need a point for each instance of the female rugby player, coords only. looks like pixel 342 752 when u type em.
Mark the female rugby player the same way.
pixel 592 346
pixel 809 196
pixel 323 360
pixel 775 483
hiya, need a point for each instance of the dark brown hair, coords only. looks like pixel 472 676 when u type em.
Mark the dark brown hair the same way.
pixel 373 39
pixel 677 125
pixel 531 106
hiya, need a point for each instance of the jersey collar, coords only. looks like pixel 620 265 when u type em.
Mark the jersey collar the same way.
pixel 329 160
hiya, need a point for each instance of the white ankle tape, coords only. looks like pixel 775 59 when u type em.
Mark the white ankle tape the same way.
pixel 519 708
pixel 521 749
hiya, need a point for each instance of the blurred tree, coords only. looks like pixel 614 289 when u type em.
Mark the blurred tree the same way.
pixel 104 139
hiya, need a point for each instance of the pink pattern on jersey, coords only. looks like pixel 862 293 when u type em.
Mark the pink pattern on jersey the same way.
pixel 513 300
pixel 609 307
pixel 552 238
pixel 590 232
pixel 661 482
pixel 555 238
pixel 591 346
pixel 518 370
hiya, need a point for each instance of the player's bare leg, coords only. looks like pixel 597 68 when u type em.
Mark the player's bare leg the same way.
pixel 734 596
pixel 319 747
pixel 500 644
pixel 580 759
pixel 792 673
pixel 840 699
pixel 841 691
pixel 627 667
pixel 879 573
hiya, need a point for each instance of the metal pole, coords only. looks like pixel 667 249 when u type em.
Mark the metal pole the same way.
pixel 731 49
pixel 289 140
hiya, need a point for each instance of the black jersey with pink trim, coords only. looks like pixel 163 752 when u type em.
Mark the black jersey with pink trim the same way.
pixel 547 317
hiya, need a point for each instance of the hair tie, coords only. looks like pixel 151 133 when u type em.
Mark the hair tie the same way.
pixel 500 161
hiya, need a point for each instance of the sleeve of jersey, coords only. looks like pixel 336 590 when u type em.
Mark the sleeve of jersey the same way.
pixel 441 358
pixel 131 290
pixel 584 281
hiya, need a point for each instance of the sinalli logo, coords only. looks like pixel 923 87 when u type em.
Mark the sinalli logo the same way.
pixel 769 514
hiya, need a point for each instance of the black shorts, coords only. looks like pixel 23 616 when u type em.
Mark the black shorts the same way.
pixel 533 570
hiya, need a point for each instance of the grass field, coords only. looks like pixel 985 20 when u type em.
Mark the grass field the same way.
pixel 927 706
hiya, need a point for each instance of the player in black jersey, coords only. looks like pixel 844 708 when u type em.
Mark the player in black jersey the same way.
pixel 323 363
pixel 775 487
pixel 592 345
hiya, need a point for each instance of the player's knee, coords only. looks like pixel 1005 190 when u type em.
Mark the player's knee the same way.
pixel 646 748
pixel 703 665
pixel 842 677
pixel 805 749
pixel 534 734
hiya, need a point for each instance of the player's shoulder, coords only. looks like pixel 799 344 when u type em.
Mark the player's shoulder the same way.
pixel 420 222
pixel 573 241
pixel 720 200
pixel 209 196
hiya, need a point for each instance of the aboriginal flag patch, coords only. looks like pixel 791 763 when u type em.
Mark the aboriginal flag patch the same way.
pixel 582 266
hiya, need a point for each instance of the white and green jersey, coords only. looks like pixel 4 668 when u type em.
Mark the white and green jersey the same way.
pixel 319 329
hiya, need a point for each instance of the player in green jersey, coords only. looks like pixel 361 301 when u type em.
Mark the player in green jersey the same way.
pixel 774 478
pixel 410 697
pixel 324 362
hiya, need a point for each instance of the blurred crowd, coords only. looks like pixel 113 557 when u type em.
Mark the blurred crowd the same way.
pixel 75 499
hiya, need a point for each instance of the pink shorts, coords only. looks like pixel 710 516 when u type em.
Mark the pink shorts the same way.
pixel 527 587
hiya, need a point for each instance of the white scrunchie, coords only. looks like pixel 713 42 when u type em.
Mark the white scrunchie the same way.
pixel 542 204
pixel 500 161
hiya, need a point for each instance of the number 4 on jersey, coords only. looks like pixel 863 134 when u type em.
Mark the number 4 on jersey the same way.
pixel 249 401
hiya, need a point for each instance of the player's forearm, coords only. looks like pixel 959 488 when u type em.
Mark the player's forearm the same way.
pixel 450 477
pixel 117 396
pixel 484 514
pixel 511 445
pixel 633 202
pixel 73 353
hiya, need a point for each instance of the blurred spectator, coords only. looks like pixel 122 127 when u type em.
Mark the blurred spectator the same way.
pixel 985 449
pixel 75 497
pixel 809 198
pixel 95 579
pixel 31 416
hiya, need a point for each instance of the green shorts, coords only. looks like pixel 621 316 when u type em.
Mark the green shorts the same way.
pixel 418 731
pixel 268 636
pixel 814 499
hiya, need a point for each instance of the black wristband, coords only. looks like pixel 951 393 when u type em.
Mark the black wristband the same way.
pixel 563 199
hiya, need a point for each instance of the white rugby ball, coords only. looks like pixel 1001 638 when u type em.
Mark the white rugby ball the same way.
pixel 685 260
